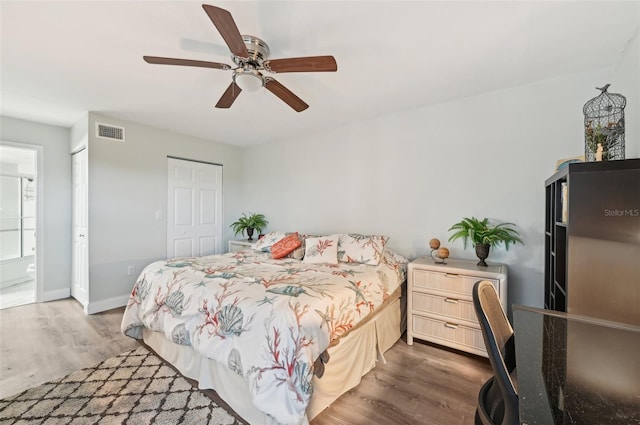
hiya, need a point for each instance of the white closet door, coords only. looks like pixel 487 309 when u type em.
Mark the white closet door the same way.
pixel 194 210
pixel 80 255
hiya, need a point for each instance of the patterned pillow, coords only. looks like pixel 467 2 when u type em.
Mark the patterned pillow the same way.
pixel 363 249
pixel 321 250
pixel 285 246
pixel 298 253
pixel 264 244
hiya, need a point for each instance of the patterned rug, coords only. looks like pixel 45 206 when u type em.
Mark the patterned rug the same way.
pixel 136 387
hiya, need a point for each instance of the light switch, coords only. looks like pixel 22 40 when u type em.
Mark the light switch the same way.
pixel 158 215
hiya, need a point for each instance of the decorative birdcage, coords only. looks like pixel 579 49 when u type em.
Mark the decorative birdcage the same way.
pixel 604 126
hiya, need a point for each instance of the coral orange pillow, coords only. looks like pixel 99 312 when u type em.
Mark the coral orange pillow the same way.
pixel 285 246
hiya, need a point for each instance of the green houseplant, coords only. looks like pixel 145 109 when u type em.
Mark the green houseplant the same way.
pixel 484 236
pixel 249 223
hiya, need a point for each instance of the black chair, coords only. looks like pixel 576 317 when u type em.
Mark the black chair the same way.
pixel 498 397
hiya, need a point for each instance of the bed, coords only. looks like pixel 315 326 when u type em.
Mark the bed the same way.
pixel 279 339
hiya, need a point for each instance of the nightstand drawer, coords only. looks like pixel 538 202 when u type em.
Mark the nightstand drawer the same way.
pixel 447 333
pixel 458 285
pixel 455 308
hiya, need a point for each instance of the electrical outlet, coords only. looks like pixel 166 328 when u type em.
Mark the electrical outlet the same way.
pixel 131 270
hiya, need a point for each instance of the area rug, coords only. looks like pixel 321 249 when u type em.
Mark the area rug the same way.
pixel 136 387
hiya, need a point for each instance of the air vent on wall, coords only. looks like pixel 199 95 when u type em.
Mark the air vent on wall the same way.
pixel 109 132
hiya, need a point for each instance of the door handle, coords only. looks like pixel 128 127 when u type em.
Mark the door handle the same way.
pixel 450 325
pixel 451 300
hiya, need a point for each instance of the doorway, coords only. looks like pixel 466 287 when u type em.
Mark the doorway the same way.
pixel 19 199
pixel 194 208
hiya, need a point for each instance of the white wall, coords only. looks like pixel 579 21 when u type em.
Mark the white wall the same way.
pixel 408 175
pixel 127 185
pixel 56 191
pixel 412 175
pixel 626 81
pixel 79 136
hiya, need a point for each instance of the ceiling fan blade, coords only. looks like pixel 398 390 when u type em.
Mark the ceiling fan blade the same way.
pixel 305 64
pixel 229 96
pixel 227 28
pixel 285 94
pixel 185 62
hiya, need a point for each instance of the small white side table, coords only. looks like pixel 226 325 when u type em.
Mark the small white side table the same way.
pixel 239 245
pixel 440 304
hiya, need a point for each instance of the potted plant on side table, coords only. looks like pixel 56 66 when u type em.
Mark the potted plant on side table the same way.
pixel 484 236
pixel 249 223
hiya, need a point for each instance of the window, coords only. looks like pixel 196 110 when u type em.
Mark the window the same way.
pixel 17 217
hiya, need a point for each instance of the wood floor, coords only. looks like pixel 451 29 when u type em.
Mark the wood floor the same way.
pixel 420 384
pixel 41 342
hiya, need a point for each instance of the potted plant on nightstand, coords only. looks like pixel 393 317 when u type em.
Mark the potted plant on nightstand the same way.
pixel 249 223
pixel 484 236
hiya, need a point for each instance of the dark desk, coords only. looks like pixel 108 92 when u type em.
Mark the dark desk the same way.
pixel 576 370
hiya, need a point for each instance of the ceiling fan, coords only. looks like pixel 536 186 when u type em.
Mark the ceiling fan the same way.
pixel 251 55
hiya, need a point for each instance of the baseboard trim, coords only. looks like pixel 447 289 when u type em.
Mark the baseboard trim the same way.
pixel 108 304
pixel 58 294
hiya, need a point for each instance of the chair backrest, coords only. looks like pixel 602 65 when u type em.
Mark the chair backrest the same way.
pixel 499 341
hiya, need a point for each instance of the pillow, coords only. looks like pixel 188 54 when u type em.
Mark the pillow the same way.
pixel 362 249
pixel 298 253
pixel 321 250
pixel 264 244
pixel 285 246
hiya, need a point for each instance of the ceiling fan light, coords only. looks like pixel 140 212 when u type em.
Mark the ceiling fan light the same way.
pixel 248 81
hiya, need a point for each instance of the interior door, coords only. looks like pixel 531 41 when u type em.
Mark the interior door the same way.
pixel 80 259
pixel 194 210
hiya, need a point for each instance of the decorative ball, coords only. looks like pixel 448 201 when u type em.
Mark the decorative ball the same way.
pixel 443 253
pixel 434 243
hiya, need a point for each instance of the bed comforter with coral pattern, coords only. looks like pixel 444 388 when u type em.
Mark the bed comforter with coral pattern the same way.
pixel 267 320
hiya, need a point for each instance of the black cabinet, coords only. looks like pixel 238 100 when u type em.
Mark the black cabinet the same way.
pixel 555 238
pixel 592 243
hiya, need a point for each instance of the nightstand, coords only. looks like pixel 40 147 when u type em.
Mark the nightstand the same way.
pixel 440 304
pixel 239 245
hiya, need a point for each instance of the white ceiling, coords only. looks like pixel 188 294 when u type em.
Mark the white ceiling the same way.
pixel 62 59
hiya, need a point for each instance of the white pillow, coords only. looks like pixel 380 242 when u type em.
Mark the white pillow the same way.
pixel 362 249
pixel 321 250
pixel 265 242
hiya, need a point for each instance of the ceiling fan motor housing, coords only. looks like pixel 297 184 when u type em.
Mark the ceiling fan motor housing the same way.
pixel 258 52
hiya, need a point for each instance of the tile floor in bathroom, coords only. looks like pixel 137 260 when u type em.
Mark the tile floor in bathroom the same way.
pixel 20 294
